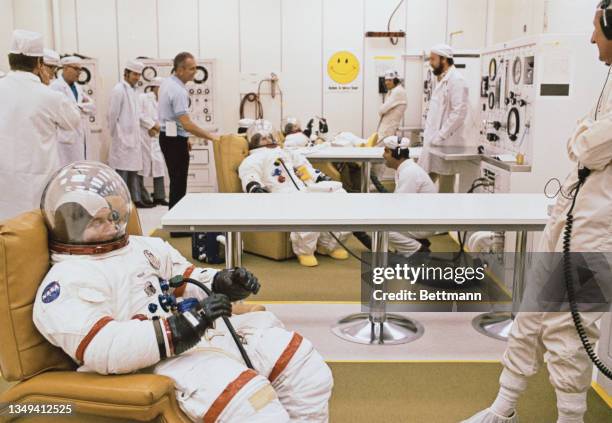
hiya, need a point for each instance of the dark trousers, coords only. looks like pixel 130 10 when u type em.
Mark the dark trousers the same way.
pixel 176 154
pixel 130 177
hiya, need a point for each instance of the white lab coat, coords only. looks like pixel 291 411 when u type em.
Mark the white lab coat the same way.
pixel 124 123
pixel 30 115
pixel 123 286
pixel 391 113
pixel 72 144
pixel 410 178
pixel 153 163
pixel 445 122
pixel 533 334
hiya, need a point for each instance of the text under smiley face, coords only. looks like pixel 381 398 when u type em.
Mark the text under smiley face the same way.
pixel 343 67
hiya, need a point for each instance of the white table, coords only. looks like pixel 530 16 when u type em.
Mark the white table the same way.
pixel 377 213
pixel 365 156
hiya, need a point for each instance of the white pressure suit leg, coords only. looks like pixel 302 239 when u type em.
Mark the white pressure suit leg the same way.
pixel 329 243
pixel 405 243
pixel 212 386
pixel 304 243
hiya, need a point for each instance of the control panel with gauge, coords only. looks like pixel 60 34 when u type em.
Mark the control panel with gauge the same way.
pixel 532 92
pixel 201 89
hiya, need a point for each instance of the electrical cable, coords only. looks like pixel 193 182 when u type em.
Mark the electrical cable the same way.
pixel 226 320
pixel 569 280
pixel 602 93
pixel 252 98
pixel 394 41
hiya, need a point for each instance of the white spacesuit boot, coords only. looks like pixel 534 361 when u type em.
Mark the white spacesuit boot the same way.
pixel 328 246
pixel 489 416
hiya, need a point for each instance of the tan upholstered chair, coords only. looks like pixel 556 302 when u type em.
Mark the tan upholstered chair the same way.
pixel 229 152
pixel 45 373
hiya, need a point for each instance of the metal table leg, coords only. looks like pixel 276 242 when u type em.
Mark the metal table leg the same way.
pixel 233 250
pixel 378 327
pixel 497 324
pixel 366 170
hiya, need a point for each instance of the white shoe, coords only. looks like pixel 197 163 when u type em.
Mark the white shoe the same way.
pixel 488 416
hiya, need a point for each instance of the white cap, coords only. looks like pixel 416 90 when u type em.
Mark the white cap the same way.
pixel 71 60
pixel 394 142
pixel 443 50
pixel 391 74
pixel 134 66
pixel 50 57
pixel 27 43
pixel 156 82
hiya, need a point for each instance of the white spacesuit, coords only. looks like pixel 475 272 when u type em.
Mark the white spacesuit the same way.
pixel 268 168
pixel 105 302
pixel 554 334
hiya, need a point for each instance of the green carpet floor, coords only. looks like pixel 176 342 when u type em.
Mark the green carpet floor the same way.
pixel 330 281
pixel 426 393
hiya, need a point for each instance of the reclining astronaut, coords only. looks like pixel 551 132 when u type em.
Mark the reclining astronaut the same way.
pixel 269 168
pixel 102 303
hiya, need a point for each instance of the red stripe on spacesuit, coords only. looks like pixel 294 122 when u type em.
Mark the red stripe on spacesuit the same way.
pixel 286 356
pixel 139 317
pixel 97 327
pixel 226 396
pixel 178 292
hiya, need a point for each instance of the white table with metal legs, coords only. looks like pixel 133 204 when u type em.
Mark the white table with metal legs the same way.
pixel 377 213
pixel 365 156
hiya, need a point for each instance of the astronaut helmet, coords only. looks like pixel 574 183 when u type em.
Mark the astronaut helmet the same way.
pixel 261 134
pixel 86 206
pixel 291 125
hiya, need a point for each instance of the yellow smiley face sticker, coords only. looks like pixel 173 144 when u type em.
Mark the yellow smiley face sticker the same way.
pixel 343 67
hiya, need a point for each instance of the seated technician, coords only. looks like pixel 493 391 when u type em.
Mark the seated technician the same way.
pixel 269 168
pixel 410 178
pixel 113 304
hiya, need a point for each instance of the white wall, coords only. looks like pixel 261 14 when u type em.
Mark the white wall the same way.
pixel 516 18
pixel 251 38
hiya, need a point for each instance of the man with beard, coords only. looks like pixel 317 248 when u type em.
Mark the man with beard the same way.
pixel 448 109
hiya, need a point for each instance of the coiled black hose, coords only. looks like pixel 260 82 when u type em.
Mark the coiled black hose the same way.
pixel 569 280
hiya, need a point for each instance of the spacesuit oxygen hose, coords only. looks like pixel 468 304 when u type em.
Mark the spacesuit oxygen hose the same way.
pixel 226 320
pixel 569 279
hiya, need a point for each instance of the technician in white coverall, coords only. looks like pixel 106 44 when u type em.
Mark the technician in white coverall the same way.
pixel 410 178
pixel 30 115
pixel 72 144
pixel 446 116
pixel 554 334
pixel 269 168
pixel 153 163
pixel 391 113
pixel 100 302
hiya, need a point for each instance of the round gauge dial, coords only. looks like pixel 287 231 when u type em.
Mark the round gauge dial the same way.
pixel 84 76
pixel 491 101
pixel 493 69
pixel 148 88
pixel 148 73
pixel 201 75
pixel 517 70
pixel 514 124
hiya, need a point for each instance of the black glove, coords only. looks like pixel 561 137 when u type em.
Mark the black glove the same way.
pixel 255 188
pixel 188 328
pixel 237 283
pixel 323 178
pixel 308 130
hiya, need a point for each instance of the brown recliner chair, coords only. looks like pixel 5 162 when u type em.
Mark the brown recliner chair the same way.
pixel 229 152
pixel 45 373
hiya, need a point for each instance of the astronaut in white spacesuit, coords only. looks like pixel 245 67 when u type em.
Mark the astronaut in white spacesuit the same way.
pixel 294 136
pixel 268 168
pixel 107 303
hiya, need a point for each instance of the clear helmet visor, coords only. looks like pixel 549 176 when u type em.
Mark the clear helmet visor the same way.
pixel 261 134
pixel 86 203
pixel 291 125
